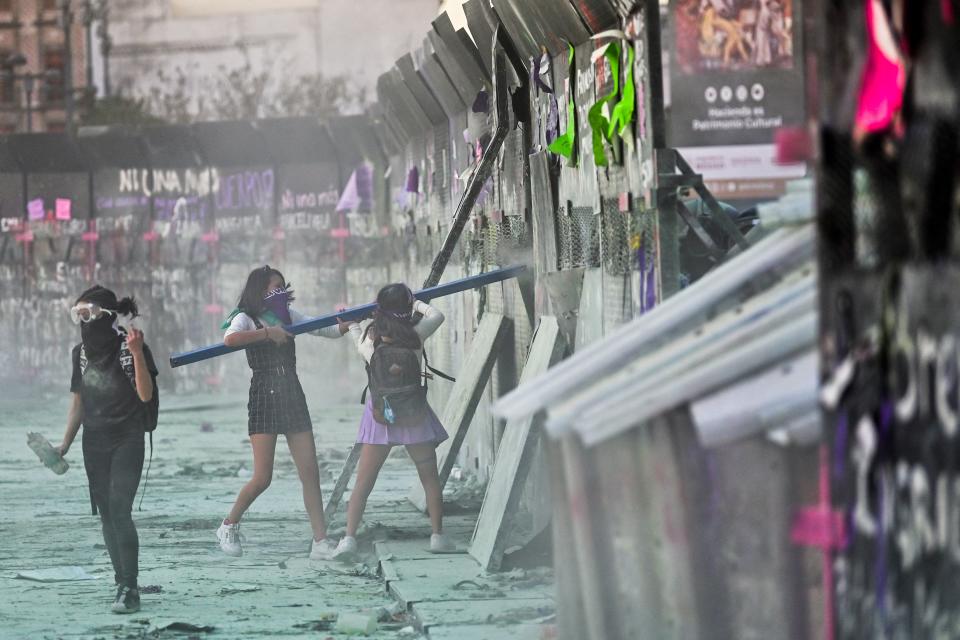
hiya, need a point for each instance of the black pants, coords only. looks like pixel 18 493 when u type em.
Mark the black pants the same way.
pixel 114 460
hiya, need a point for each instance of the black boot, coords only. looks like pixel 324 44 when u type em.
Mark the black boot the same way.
pixel 128 600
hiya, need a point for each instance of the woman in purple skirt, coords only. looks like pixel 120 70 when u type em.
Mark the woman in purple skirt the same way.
pixel 387 342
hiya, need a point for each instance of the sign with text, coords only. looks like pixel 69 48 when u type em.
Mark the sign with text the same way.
pixel 308 195
pixel 736 76
pixel 119 202
pixel 891 402
pixel 243 199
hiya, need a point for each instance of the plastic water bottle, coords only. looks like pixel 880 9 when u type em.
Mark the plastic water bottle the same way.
pixel 388 411
pixel 47 454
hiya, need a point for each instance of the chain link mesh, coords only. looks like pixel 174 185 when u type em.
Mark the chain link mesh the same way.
pixel 579 233
pixel 617 258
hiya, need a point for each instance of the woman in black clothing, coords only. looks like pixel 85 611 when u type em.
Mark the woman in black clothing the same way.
pixel 113 384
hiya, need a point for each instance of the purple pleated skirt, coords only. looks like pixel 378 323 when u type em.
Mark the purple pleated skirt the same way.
pixel 372 432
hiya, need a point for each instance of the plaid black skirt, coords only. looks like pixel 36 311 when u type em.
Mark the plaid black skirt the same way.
pixel 277 404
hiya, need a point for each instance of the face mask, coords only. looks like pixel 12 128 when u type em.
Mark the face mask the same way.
pixel 101 340
pixel 278 303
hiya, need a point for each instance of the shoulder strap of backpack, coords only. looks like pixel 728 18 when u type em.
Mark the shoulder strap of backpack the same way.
pixel 436 372
pixel 126 363
pixel 146 479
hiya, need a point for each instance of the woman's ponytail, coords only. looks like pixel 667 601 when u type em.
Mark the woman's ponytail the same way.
pixel 128 307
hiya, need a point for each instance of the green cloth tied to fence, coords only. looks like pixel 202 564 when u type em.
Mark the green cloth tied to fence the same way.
pixel 566 144
pixel 622 114
pixel 599 123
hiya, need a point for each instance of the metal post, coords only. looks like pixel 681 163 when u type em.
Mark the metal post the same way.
pixel 106 44
pixel 66 17
pixel 28 88
pixel 88 17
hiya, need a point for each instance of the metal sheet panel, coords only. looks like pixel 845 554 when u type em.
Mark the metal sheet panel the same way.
pixel 407 118
pixel 523 39
pixel 112 147
pixel 597 14
pixel 466 55
pixel 47 152
pixel 172 146
pixel 438 81
pixel 231 143
pixel 407 101
pixel 540 25
pixel 466 84
pixel 421 92
pixel 481 22
pixel 296 139
pixel 562 20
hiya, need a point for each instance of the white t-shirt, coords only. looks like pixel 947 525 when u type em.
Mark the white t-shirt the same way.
pixel 429 323
pixel 243 322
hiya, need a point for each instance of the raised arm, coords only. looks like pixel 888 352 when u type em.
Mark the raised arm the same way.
pixel 332 332
pixel 431 320
pixel 142 374
pixel 243 331
pixel 363 342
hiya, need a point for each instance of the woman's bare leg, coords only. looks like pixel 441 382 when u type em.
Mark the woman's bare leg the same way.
pixel 372 457
pixel 264 445
pixel 304 454
pixel 425 457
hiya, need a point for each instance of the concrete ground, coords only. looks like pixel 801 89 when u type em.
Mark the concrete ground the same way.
pixel 201 457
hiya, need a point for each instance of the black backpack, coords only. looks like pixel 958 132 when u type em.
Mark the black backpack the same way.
pixel 397 385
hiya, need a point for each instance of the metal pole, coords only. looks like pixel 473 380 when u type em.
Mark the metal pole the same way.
pixel 66 16
pixel 88 16
pixel 28 87
pixel 103 31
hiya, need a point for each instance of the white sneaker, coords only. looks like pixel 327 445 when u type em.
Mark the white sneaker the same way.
pixel 229 537
pixel 322 550
pixel 440 543
pixel 346 547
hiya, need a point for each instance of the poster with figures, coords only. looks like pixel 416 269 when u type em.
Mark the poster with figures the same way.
pixel 736 76
pixel 891 400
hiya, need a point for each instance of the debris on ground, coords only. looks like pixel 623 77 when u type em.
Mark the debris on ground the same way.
pixel 207 470
pixel 524 578
pixel 352 624
pixel 530 615
pixel 466 493
pixel 151 588
pixel 56 574
pixel 180 625
pixel 240 588
pixel 324 623
pixel 480 590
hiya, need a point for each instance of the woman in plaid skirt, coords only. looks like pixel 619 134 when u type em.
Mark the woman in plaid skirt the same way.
pixel 277 403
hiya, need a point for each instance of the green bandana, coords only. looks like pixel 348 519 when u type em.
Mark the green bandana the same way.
pixel 267 317
pixel 622 114
pixel 566 145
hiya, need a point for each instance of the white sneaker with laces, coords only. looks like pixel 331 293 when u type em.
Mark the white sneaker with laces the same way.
pixel 439 543
pixel 229 537
pixel 346 547
pixel 322 550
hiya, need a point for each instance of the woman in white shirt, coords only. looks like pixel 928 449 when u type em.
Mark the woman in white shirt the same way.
pixel 392 339
pixel 277 403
